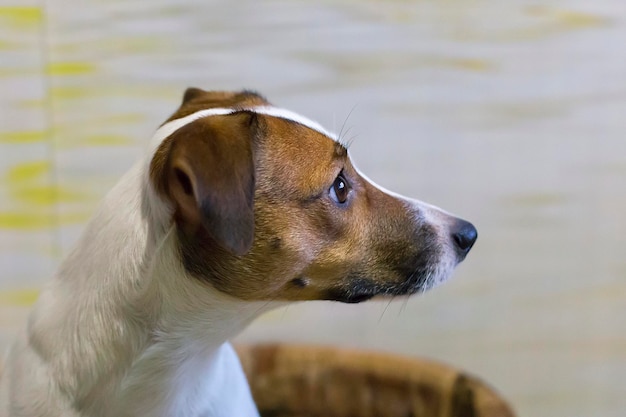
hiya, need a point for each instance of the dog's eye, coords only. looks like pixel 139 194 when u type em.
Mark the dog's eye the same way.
pixel 339 191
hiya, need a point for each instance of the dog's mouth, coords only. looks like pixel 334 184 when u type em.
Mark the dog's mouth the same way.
pixel 363 289
pixel 344 296
pixel 353 296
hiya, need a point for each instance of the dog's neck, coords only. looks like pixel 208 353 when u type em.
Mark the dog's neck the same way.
pixel 182 352
pixel 136 320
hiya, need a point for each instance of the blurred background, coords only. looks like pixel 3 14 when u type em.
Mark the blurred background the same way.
pixel 511 114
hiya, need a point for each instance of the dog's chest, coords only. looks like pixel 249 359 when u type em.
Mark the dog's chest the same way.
pixel 186 383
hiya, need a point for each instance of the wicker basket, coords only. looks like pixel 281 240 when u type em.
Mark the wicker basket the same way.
pixel 303 381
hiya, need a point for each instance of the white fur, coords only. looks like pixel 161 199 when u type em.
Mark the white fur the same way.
pixel 121 331
pixel 168 128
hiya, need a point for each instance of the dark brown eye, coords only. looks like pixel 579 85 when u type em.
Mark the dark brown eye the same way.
pixel 339 191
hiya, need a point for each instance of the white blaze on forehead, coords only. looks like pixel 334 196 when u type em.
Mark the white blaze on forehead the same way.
pixel 171 127
pixel 294 117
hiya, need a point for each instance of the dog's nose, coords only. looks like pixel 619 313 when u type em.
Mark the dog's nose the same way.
pixel 464 235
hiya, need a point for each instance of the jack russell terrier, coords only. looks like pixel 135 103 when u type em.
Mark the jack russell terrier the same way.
pixel 239 207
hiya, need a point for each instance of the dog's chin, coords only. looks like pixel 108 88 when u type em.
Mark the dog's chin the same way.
pixel 363 289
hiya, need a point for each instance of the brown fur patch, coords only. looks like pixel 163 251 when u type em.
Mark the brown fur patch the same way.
pixel 370 245
pixel 206 169
pixel 196 99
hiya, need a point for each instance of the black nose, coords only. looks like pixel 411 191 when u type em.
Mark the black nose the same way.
pixel 464 235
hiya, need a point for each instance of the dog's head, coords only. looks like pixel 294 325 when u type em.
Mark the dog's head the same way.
pixel 269 206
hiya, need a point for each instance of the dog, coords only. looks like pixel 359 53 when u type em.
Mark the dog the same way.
pixel 239 207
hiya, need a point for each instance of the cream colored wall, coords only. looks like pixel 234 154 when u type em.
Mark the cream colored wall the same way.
pixel 26 205
pixel 508 113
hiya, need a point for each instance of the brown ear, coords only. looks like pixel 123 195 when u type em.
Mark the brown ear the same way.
pixel 191 93
pixel 207 170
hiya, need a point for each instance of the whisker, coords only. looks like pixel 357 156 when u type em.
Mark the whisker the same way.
pixel 406 301
pixel 345 121
pixel 350 141
pixel 341 138
pixel 386 307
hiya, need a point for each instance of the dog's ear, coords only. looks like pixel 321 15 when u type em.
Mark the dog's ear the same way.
pixel 191 93
pixel 207 170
